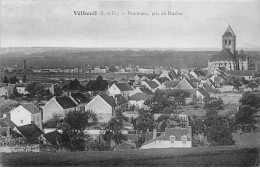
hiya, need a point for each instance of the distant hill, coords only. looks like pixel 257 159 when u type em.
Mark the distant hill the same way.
pixel 47 56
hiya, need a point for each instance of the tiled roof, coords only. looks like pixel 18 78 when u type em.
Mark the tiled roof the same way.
pixel 229 32
pixel 222 76
pixel 108 99
pixel 31 108
pixel 208 87
pixel 199 72
pixel 5 122
pixel 124 86
pixel 152 84
pixel 80 98
pixel 162 79
pixel 54 137
pixel 30 131
pixel 146 90
pixel 241 72
pixel 224 55
pixel 120 99
pixel 139 96
pixel 66 102
pixel 171 84
pixel 203 92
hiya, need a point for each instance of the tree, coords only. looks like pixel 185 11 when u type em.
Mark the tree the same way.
pixel 245 117
pixel 73 126
pixel 53 122
pixel 13 80
pixel 218 131
pixel 144 121
pixel 252 85
pixel 251 99
pixel 5 80
pixel 24 79
pixel 213 103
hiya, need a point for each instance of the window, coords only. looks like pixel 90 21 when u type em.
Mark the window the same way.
pixel 172 139
pixel 229 42
pixel 33 119
pixel 184 139
pixel 225 42
pixel 21 121
pixel 38 119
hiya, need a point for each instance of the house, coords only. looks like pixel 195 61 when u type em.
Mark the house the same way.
pixel 102 105
pixel 201 94
pixel 21 88
pixel 26 113
pixel 6 91
pixel 150 85
pixel 6 122
pixel 58 105
pixel 120 88
pixel 161 80
pixel 80 99
pixel 173 138
pixel 198 74
pixel 171 84
pixel 30 132
pixel 146 69
pixel 185 83
pixel 121 101
pixel 138 99
pixel 247 74
pixel 141 89
pixel 6 125
pixel 171 75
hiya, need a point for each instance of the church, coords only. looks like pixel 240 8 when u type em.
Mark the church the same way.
pixel 228 58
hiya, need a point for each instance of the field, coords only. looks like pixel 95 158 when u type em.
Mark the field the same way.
pixel 212 156
pixel 83 56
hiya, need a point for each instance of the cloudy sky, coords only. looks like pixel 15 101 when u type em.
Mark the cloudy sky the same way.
pixel 52 23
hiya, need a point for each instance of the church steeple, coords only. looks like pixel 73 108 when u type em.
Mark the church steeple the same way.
pixel 229 40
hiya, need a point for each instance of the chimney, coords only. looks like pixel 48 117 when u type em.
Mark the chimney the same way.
pixel 154 133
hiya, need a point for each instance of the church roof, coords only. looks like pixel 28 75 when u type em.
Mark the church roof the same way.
pixel 229 32
pixel 223 55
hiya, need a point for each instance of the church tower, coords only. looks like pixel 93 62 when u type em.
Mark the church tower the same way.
pixel 229 40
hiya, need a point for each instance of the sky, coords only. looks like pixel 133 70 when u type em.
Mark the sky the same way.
pixel 52 23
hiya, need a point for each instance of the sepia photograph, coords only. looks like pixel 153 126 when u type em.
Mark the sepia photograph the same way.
pixel 128 83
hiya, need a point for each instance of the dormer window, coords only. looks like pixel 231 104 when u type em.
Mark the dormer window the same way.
pixel 172 139
pixel 184 139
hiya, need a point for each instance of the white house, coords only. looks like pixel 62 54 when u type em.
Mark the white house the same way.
pixel 173 138
pixel 102 105
pixel 59 106
pixel 6 91
pixel 120 88
pixel 25 114
pixel 21 88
